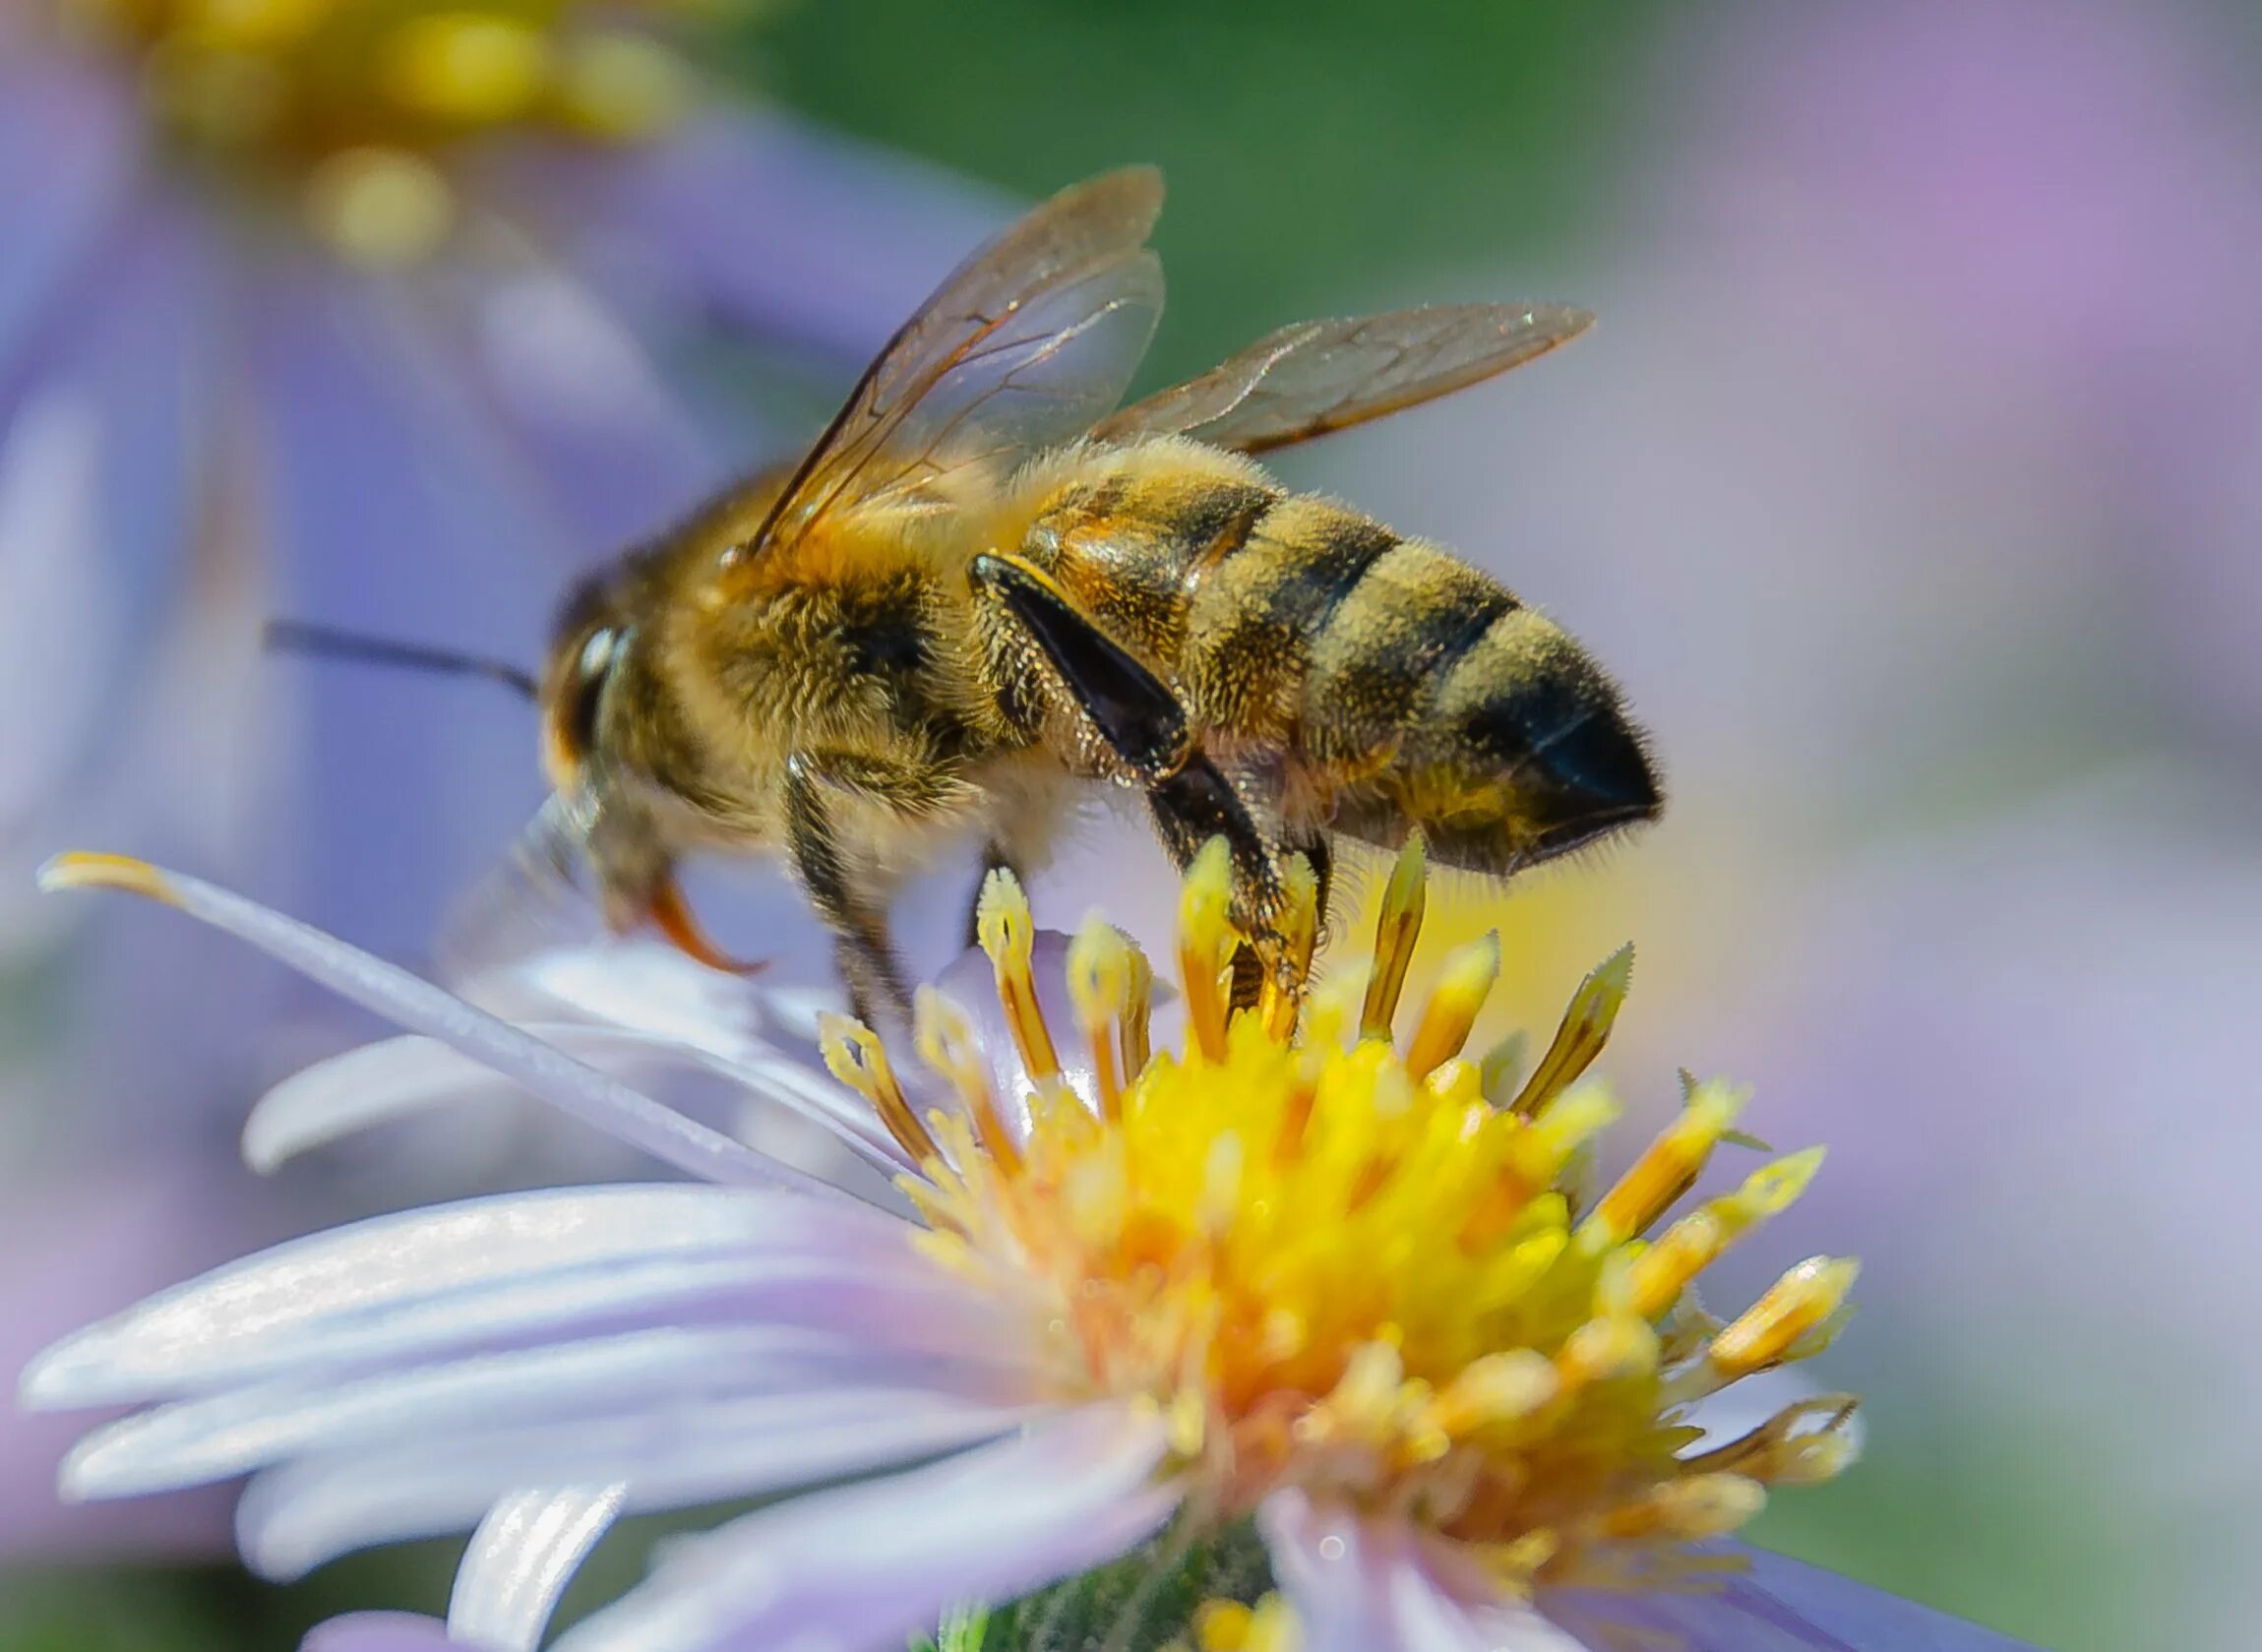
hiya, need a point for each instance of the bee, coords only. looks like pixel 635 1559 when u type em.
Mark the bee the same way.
pixel 986 586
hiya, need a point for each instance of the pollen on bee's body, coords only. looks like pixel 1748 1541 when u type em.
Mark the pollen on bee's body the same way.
pixel 1345 1264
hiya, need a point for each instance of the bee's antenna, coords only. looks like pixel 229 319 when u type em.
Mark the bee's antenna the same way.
pixel 296 636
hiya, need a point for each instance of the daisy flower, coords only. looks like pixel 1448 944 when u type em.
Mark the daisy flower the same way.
pixel 1317 1269
pixel 383 312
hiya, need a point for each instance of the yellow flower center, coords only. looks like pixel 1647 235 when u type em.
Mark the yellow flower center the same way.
pixel 1373 1269
pixel 357 106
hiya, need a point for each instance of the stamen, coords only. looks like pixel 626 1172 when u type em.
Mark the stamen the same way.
pixel 1007 934
pixel 854 1055
pixel 1698 1239
pixel 1299 925
pixel 1404 899
pixel 1689 1509
pixel 1782 1324
pixel 1499 1387
pixel 1452 1010
pixel 463 68
pixel 1099 985
pixel 1664 1173
pixel 1805 1442
pixel 947 1042
pixel 1138 1007
pixel 1584 1031
pixel 1205 941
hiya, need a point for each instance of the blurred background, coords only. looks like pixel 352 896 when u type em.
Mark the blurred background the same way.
pixel 1912 482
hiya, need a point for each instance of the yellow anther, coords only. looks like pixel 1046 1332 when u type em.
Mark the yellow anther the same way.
pixel 621 87
pixel 252 24
pixel 854 1055
pixel 1689 1509
pixel 1603 1349
pixel 1138 1006
pixel 84 869
pixel 1399 926
pixel 1585 1029
pixel 380 208
pixel 1299 927
pixel 1698 1240
pixel 1099 986
pixel 1205 942
pixel 1783 1323
pixel 1563 1130
pixel 1803 1444
pixel 1672 1162
pixel 1495 1389
pixel 1008 932
pixel 1223 1625
pixel 1462 988
pixel 469 68
pixel 947 1043
pixel 1220 1183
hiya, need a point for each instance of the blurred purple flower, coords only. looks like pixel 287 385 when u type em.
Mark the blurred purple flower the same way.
pixel 387 316
pixel 538 1363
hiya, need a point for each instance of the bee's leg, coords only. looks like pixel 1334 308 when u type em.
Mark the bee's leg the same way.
pixel 862 949
pixel 1148 732
pixel 1319 849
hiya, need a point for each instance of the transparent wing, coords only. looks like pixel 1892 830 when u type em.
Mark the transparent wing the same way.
pixel 1024 347
pixel 1322 376
pixel 531 901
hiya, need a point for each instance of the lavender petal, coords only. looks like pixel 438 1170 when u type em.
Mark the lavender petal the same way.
pixel 872 1564
pixel 519 1561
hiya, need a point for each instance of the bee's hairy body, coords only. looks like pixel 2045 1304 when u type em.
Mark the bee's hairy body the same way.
pixel 1367 682
pixel 981 587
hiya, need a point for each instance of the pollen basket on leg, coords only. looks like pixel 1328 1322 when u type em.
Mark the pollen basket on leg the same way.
pixel 1338 1264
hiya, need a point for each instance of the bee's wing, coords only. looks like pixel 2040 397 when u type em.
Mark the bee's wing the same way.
pixel 1322 376
pixel 529 902
pixel 1024 347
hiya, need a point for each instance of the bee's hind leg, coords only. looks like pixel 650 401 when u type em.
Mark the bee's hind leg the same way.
pixel 1147 730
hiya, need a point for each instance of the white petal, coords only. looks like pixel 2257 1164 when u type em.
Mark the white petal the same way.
pixel 1776 1606
pixel 381 1631
pixel 520 1561
pixel 1327 1563
pixel 1366 1585
pixel 297 1516
pixel 416 1004
pixel 395 1287
pixel 866 1567
pixel 647 1373
pixel 401 1076
pixel 66 165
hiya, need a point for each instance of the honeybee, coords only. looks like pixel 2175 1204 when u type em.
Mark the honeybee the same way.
pixel 984 586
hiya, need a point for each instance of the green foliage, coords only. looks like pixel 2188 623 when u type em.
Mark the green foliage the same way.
pixel 1313 149
pixel 1138 1604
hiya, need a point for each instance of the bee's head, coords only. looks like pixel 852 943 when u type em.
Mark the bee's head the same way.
pixel 586 651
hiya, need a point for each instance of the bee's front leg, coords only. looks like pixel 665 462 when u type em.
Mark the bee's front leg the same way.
pixel 850 909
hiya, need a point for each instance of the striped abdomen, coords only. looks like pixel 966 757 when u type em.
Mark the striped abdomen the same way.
pixel 1376 681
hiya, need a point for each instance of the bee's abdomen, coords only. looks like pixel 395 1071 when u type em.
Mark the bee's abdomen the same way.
pixel 1395 685
pixel 1404 688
